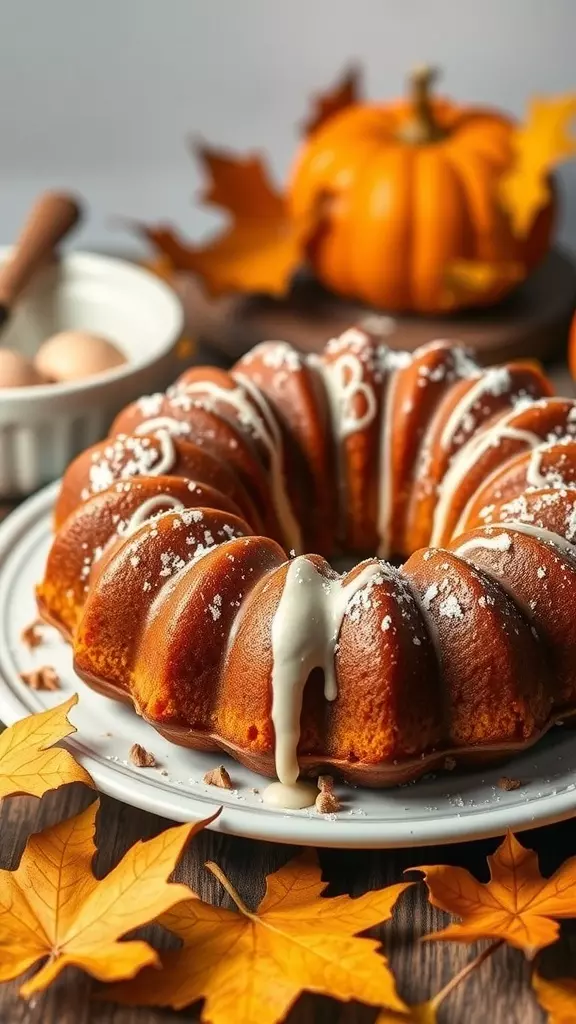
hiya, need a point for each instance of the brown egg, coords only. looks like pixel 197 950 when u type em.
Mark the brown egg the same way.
pixel 16 371
pixel 71 355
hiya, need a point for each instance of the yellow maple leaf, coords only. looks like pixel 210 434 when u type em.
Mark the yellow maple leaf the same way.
pixel 29 762
pixel 262 246
pixel 517 905
pixel 251 967
pixel 52 906
pixel 557 998
pixel 538 145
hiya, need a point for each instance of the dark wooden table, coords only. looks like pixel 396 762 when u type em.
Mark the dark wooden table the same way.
pixel 498 991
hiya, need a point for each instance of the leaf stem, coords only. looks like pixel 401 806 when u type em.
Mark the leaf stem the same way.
pixel 219 874
pixel 458 978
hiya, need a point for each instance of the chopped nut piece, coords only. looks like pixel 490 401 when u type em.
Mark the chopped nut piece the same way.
pixel 140 757
pixel 449 763
pixel 45 678
pixel 325 783
pixel 508 784
pixel 218 777
pixel 327 802
pixel 31 635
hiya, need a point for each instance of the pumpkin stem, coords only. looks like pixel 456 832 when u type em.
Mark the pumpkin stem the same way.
pixel 421 127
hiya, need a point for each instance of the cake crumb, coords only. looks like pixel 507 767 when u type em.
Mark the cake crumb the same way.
pixel 31 635
pixel 45 678
pixel 218 777
pixel 327 802
pixel 325 783
pixel 508 784
pixel 140 757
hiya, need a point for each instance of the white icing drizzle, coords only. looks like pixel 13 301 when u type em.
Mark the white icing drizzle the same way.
pixel 463 462
pixel 148 507
pixel 534 476
pixel 167 455
pixel 548 536
pixel 385 466
pixel 344 384
pixel 502 542
pixel 495 381
pixel 461 367
pixel 305 631
pixel 262 424
pixel 280 496
pixel 316 365
pixel 553 476
pixel 166 424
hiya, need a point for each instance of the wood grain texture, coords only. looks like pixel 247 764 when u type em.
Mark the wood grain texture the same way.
pixel 498 992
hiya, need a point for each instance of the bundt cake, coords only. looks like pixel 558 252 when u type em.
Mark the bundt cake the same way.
pixel 178 569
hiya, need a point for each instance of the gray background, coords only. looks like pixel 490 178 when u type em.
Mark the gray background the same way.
pixel 102 96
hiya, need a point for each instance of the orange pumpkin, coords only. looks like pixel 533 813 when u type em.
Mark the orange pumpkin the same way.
pixel 409 192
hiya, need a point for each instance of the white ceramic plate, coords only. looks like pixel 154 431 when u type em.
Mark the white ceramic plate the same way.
pixel 447 808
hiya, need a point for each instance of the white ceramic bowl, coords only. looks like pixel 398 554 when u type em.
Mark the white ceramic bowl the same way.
pixel 43 427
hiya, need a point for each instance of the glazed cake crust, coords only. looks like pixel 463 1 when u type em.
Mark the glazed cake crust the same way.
pixel 198 510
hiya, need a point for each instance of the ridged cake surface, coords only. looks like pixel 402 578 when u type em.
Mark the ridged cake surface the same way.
pixel 181 568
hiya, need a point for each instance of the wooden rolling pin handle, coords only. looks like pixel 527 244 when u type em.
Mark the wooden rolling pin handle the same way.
pixel 51 218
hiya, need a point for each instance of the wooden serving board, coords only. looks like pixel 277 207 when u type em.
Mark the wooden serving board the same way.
pixel 533 322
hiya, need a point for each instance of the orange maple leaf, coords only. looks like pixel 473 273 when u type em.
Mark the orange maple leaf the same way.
pixel 324 105
pixel 29 762
pixel 538 145
pixel 517 904
pixel 263 245
pixel 557 998
pixel 253 966
pixel 52 906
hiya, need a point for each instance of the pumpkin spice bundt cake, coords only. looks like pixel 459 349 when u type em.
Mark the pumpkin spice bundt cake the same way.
pixel 171 577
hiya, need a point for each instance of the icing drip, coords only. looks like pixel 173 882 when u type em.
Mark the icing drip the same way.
pixel 148 507
pixel 261 422
pixel 290 797
pixel 166 424
pixel 495 381
pixel 317 366
pixel 305 631
pixel 460 365
pixel 385 467
pixel 534 476
pixel 282 502
pixel 463 462
pixel 343 383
